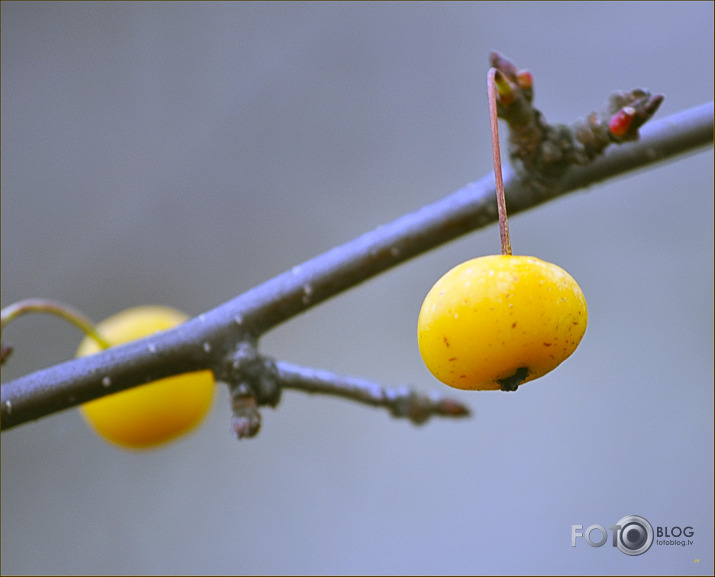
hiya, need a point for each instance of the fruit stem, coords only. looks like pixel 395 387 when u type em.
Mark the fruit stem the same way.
pixel 501 200
pixel 11 312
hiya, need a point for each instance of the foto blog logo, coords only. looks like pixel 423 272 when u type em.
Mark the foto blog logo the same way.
pixel 633 535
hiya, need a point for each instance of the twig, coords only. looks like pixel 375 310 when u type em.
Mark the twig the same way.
pixel 543 152
pixel 401 402
pixel 62 310
pixel 204 342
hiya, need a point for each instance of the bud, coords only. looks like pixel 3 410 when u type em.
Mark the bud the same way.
pixel 621 121
pixel 505 89
pixel 524 80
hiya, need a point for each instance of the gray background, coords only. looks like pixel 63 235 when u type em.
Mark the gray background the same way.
pixel 182 153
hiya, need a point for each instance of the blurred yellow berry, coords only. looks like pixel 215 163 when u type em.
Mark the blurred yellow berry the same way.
pixel 496 322
pixel 154 413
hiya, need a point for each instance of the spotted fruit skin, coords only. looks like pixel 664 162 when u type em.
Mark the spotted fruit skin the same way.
pixel 496 322
pixel 155 413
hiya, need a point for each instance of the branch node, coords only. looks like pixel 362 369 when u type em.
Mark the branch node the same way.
pixel 251 379
pixel 541 152
pixel 245 419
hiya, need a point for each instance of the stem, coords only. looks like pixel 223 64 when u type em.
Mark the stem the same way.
pixel 62 310
pixel 501 200
pixel 253 313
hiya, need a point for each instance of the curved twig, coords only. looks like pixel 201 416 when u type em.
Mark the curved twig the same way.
pixel 62 310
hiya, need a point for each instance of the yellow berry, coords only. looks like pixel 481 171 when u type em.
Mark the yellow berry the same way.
pixel 496 322
pixel 154 413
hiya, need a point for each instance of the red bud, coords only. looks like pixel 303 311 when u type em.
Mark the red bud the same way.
pixel 524 79
pixel 621 121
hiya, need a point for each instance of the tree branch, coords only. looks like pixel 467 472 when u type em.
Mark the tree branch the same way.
pixel 401 402
pixel 205 341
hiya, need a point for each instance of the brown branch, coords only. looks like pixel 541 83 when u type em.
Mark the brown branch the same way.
pixel 211 339
pixel 401 402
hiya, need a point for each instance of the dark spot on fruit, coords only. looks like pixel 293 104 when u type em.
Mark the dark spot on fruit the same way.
pixel 513 325
pixel 547 344
pixel 451 360
pixel 446 342
pixel 512 383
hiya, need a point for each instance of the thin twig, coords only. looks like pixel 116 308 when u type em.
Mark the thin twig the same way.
pixel 47 306
pixel 401 402
pixel 204 341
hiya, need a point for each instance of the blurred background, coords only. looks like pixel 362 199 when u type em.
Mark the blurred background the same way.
pixel 183 153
